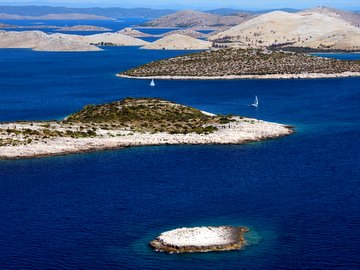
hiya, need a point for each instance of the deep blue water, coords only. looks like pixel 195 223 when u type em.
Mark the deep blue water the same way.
pixel 299 194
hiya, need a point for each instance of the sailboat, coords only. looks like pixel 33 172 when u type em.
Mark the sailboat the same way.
pixel 152 84
pixel 256 102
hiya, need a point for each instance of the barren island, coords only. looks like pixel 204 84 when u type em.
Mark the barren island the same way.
pixel 200 239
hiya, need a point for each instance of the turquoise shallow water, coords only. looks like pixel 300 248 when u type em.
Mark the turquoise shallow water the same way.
pixel 298 194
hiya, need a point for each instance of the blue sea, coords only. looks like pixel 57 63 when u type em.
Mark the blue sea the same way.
pixel 298 194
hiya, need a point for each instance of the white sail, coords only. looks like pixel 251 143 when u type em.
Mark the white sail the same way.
pixel 256 102
pixel 152 83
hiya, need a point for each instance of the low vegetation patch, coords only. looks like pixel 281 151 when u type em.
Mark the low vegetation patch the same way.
pixel 225 62
pixel 147 115
pixel 122 118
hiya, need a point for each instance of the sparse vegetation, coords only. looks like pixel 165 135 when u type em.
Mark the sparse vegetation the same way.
pixel 191 18
pixel 243 62
pixel 147 115
pixel 115 119
pixel 130 122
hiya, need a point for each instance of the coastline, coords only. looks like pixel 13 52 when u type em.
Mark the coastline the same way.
pixel 241 131
pixel 155 27
pixel 200 239
pixel 239 77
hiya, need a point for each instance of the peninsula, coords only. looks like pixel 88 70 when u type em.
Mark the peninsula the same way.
pixel 80 28
pixel 200 239
pixel 131 122
pixel 103 39
pixel 59 42
pixel 245 64
pixel 131 32
pixel 40 41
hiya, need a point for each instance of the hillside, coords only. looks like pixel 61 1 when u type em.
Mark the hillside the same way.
pixel 40 41
pixel 310 29
pixel 238 63
pixel 351 17
pixel 191 18
pixel 178 42
pixel 104 39
pixel 159 115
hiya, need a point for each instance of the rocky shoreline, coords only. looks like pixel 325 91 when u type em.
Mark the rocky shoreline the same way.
pixel 240 131
pixel 200 239
pixel 131 122
pixel 239 77
pixel 60 42
pixel 245 64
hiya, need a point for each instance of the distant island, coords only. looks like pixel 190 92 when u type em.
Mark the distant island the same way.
pixel 201 239
pixel 40 41
pixel 67 16
pixel 34 26
pixel 245 64
pixel 198 20
pixel 110 12
pixel 59 42
pixel 4 25
pixel 103 39
pixel 131 32
pixel 84 28
pixel 131 122
pixel 320 29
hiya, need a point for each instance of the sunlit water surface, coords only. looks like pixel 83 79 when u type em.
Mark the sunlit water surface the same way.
pixel 299 194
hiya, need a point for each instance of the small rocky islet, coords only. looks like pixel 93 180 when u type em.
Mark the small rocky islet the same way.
pixel 201 239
